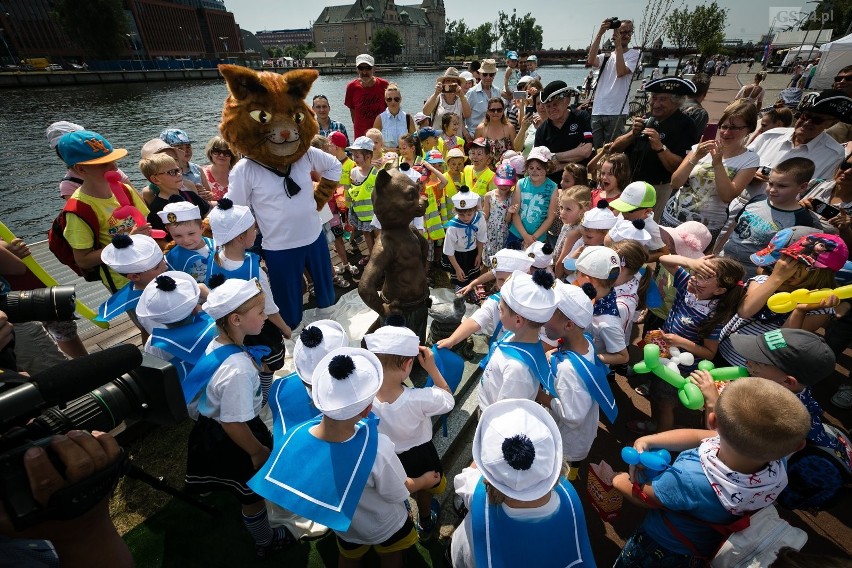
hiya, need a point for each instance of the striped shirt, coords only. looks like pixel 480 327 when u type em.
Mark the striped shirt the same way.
pixel 688 312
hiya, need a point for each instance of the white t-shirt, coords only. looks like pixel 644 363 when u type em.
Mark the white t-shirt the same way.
pixel 380 511
pixel 455 240
pixel 611 92
pixel 233 393
pixel 465 484
pixel 575 411
pixel 505 377
pixel 487 316
pixel 406 421
pixel 269 306
pixel 285 222
pixel 627 300
pixel 608 334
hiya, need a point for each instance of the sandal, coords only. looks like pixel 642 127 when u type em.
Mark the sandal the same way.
pixel 643 389
pixel 843 397
pixel 364 260
pixel 353 270
pixel 341 282
pixel 642 427
pixel 338 270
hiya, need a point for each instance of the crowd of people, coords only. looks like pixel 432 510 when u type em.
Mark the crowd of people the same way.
pixel 572 229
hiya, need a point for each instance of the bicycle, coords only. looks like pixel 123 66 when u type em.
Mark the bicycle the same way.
pixel 639 105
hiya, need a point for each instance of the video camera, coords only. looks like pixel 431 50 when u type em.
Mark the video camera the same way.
pixel 42 304
pixel 73 396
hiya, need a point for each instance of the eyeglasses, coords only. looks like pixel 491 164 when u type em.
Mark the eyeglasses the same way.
pixel 815 120
pixel 495 110
pixel 726 127
pixel 393 99
pixel 842 78
pixel 487 74
pixel 217 151
pixel 175 172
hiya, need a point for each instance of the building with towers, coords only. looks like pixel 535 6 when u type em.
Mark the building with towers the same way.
pixel 349 29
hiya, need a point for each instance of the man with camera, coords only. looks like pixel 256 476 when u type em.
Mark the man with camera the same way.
pixel 447 97
pixel 609 109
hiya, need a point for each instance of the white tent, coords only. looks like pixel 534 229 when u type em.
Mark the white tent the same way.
pixel 834 57
pixel 803 52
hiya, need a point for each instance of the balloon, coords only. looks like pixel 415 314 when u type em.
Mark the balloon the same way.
pixel 688 394
pixel 630 455
pixel 654 461
pixel 784 302
pixel 723 373
pixel 126 209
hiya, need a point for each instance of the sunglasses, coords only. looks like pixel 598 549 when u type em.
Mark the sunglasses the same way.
pixel 364 68
pixel 842 78
pixel 495 110
pixel 217 151
pixel 487 74
pixel 319 97
pixel 393 99
pixel 815 120
pixel 175 172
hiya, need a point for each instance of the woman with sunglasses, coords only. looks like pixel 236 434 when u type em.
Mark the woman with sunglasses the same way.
pixel 222 159
pixel 714 172
pixel 393 122
pixel 496 129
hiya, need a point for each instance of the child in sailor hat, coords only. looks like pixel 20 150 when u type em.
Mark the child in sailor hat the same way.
pixel 192 250
pixel 542 255
pixel 465 238
pixel 405 414
pixel 594 227
pixel 517 496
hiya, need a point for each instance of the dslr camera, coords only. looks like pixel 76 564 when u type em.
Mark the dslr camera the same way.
pixel 42 304
pixel 614 23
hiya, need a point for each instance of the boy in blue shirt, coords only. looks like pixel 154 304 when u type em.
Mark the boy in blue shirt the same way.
pixel 192 249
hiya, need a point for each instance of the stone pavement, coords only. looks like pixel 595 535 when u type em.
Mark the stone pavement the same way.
pixel 724 88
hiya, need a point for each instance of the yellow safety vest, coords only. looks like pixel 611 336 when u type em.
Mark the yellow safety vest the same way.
pixel 442 145
pixel 347 164
pixel 432 221
pixel 362 197
pixel 480 186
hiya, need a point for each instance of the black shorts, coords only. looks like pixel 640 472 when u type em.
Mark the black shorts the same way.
pixel 270 336
pixel 337 231
pixel 421 459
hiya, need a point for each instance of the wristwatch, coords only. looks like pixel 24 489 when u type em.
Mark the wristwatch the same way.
pixel 661 150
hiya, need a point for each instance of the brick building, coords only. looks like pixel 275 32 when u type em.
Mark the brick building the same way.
pixel 283 38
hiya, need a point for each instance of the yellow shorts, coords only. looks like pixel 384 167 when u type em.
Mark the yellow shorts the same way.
pixel 405 537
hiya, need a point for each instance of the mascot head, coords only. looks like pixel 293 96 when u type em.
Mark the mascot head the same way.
pixel 265 116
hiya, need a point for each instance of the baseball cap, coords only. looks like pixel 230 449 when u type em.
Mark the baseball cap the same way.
pixel 362 143
pixel 540 153
pixel 690 239
pixel 154 146
pixel 455 153
pixel 420 117
pixel 505 175
pixel 57 129
pixel 174 136
pixel 819 250
pixel 366 59
pixel 802 354
pixel 599 262
pixel 87 148
pixel 466 76
pixel 770 254
pixel 427 132
pixel 532 58
pixel 512 55
pixel 479 142
pixel 434 157
pixel 637 195
pixel 338 139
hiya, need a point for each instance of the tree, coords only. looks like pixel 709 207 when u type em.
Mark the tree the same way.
pixel 521 34
pixel 457 38
pixel 482 38
pixel 702 29
pixel 386 44
pixel 99 26
pixel 834 14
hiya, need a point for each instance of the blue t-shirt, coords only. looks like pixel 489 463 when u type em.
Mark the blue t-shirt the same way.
pixel 687 490
pixel 535 202
pixel 818 435
pixel 688 312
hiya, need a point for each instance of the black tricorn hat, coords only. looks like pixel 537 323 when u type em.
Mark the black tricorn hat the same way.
pixel 672 85
pixel 830 102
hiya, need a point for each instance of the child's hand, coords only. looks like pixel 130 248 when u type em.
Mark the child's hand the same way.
pixel 676 340
pixel 703 267
pixel 460 276
pixel 528 241
pixel 447 343
pixel 704 381
pixel 426 359
pixel 785 267
pixel 543 398
pixel 465 290
pixel 259 458
pixel 142 230
pixel 19 248
pixel 478 260
pixel 829 302
pixel 429 479
pixel 514 208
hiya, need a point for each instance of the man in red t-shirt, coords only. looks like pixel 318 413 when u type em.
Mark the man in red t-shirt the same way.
pixel 365 96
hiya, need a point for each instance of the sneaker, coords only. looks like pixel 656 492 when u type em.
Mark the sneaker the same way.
pixel 426 530
pixel 458 506
pixel 282 539
pixel 843 397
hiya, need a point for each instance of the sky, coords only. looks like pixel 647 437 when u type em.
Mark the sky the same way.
pixel 565 22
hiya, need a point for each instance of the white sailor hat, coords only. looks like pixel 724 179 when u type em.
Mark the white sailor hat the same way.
pixel 314 343
pixel 542 254
pixel 600 217
pixel 230 295
pixel 530 296
pixel 169 298
pixel 179 212
pixel 56 130
pixel 625 230
pixel 132 254
pixel 518 449
pixel 464 198
pixel 345 382
pixel 509 260
pixel 573 302
pixel 393 340
pixel 229 221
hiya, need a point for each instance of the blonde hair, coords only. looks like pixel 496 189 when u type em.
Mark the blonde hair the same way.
pixel 222 322
pixel 633 257
pixel 152 166
pixel 761 419
pixel 581 194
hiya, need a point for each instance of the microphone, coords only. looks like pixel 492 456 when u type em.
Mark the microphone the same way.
pixel 67 381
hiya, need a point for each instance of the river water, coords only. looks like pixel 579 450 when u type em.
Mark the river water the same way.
pixel 129 115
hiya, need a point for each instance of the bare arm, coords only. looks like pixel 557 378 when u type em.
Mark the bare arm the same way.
pixel 551 215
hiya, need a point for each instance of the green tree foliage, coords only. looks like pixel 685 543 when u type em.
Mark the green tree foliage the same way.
pixel 386 44
pixel 834 14
pixel 99 26
pixel 482 38
pixel 701 30
pixel 521 34
pixel 457 38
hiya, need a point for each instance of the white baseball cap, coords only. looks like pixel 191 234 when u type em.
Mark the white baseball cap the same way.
pixel 362 143
pixel 56 130
pixel 599 262
pixel 540 153
pixel 365 58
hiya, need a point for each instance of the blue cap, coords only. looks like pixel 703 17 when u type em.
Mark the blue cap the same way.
pixel 173 137
pixel 87 148
pixel 425 133
pixel 785 237
pixel 511 55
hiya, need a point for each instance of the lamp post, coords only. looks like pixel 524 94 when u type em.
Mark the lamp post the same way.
pixel 324 54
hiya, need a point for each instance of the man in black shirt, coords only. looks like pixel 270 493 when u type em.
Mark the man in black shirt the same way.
pixel 657 144
pixel 566 133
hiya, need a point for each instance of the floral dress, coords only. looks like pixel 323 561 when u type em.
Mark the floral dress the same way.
pixel 497 227
pixel 217 189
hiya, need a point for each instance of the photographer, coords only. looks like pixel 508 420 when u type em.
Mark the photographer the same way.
pixel 87 541
pixel 448 97
pixel 609 109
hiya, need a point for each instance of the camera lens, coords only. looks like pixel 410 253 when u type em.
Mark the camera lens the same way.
pixel 43 304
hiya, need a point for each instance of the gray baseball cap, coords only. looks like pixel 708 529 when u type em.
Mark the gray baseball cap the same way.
pixel 799 353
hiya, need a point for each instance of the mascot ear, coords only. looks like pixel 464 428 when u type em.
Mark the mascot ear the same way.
pixel 383 178
pixel 299 82
pixel 241 81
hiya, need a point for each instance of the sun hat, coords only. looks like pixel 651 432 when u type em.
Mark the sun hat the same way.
pixel 362 143
pixel 455 153
pixel 672 85
pixel 542 254
pixel 170 297
pixel 174 136
pixel 625 230
pixel 602 263
pixel 315 341
pixel 451 74
pixel 518 448
pixel 466 76
pixel 420 117
pixel 504 175
pixel 132 254
pixel 540 153
pixel 690 239
pixel 530 296
pixel 230 295
pixel 637 195
pixel 510 260
pixel 488 66
pixel 345 382
pixel 802 354
pixel 338 139
pixel 179 212
pixel 57 129
pixel 599 217
pixel 574 304
pixel 154 146
pixel 434 157
pixel 770 254
pixel 84 147
pixel 819 250
pixel 464 198
pixel 393 340
pixel 366 59
pixel 229 221
pixel 519 163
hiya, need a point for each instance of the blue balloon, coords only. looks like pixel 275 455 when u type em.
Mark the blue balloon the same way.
pixel 630 455
pixel 655 460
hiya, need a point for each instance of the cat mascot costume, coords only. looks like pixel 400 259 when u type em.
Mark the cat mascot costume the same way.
pixel 265 119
